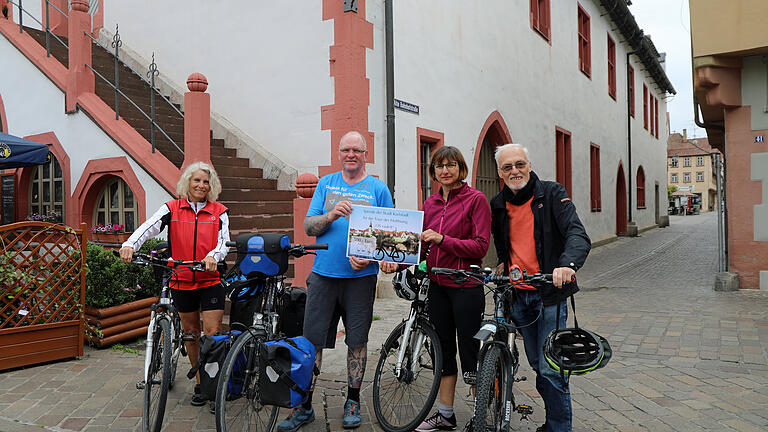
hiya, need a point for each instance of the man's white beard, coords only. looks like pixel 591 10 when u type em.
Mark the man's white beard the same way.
pixel 517 189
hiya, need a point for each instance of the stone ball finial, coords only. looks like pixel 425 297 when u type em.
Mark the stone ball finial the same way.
pixel 306 184
pixel 80 5
pixel 197 82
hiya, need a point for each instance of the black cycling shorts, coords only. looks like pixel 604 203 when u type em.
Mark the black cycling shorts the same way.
pixel 203 299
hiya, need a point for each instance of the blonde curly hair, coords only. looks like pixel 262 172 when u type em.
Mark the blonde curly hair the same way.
pixel 182 187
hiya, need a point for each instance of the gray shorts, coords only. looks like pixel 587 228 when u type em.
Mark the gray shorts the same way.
pixel 329 299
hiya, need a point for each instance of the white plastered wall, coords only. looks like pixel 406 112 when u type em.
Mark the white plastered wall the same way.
pixel 459 63
pixel 34 105
pixel 266 64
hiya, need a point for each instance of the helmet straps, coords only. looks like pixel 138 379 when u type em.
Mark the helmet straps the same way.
pixel 557 327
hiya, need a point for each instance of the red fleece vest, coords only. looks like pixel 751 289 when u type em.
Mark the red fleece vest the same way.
pixel 192 236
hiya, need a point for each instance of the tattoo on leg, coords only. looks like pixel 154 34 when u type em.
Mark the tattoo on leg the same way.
pixel 356 359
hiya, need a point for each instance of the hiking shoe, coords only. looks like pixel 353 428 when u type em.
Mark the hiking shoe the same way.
pixel 296 418
pixel 197 398
pixel 351 414
pixel 437 422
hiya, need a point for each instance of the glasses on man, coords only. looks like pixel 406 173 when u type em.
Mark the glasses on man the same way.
pixel 352 150
pixel 520 165
pixel 449 165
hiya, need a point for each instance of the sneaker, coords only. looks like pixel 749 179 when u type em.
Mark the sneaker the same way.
pixel 296 418
pixel 351 414
pixel 197 398
pixel 437 422
pixel 212 407
pixel 542 428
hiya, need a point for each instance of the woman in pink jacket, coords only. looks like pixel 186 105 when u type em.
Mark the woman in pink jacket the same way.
pixel 457 230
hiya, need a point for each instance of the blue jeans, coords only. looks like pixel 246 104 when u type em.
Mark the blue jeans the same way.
pixel 549 384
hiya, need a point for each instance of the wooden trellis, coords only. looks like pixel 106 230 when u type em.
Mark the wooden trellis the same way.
pixel 42 282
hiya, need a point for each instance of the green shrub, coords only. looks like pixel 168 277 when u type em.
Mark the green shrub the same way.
pixel 111 282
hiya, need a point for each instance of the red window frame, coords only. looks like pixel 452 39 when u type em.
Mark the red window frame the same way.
pixel 631 78
pixel 645 106
pixel 656 113
pixel 563 158
pixel 650 104
pixel 594 178
pixel 585 46
pixel 435 140
pixel 540 18
pixel 611 67
pixel 640 187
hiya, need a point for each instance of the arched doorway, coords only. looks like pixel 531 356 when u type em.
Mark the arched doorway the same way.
pixel 621 202
pixel 485 177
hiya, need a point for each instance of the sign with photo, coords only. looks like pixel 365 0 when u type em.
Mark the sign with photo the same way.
pixel 385 234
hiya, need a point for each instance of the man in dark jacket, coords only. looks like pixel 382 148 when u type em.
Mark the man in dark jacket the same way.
pixel 535 227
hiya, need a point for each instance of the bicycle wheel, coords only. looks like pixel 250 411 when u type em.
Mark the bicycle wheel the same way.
pixel 158 379
pixel 398 256
pixel 237 396
pixel 378 254
pixel 491 393
pixel 402 402
pixel 177 346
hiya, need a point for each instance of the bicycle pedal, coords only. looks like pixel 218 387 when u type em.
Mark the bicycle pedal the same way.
pixel 140 385
pixel 524 411
pixel 189 337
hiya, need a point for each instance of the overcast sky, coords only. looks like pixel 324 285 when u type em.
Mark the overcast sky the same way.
pixel 667 22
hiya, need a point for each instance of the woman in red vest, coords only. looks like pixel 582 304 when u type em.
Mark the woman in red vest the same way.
pixel 198 229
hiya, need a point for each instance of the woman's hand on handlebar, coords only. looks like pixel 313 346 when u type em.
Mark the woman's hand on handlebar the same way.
pixel 210 264
pixel 562 275
pixel 126 254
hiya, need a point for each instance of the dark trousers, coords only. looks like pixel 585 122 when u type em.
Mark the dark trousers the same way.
pixel 457 312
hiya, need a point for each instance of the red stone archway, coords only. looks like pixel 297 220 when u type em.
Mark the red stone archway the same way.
pixel 24 176
pixel 496 132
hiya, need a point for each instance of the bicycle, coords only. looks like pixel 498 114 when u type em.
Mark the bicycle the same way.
pixel 391 252
pixel 499 358
pixel 165 342
pixel 241 409
pixel 408 372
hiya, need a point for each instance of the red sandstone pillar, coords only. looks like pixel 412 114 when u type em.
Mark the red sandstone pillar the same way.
pixel 80 78
pixel 305 187
pixel 56 21
pixel 197 121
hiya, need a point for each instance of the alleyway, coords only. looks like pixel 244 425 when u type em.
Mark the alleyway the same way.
pixel 686 358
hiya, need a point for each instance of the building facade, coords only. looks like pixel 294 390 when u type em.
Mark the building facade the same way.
pixel 691 168
pixel 729 50
pixel 576 82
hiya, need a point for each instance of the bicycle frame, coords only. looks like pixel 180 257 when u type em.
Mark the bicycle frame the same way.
pixel 418 308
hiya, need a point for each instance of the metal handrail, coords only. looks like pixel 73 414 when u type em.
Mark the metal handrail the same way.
pixel 138 108
pixel 48 32
pixel 54 6
pixel 137 73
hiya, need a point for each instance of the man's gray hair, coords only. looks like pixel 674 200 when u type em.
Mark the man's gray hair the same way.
pixel 357 134
pixel 182 187
pixel 503 147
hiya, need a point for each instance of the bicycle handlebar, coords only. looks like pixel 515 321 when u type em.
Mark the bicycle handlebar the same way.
pixel 296 250
pixel 144 259
pixel 487 277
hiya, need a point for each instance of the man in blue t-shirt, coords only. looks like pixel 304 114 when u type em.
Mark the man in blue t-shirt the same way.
pixel 340 286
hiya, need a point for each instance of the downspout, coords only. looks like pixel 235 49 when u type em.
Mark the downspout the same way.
pixel 390 83
pixel 629 143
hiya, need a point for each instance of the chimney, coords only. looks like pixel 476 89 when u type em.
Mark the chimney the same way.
pixel 685 135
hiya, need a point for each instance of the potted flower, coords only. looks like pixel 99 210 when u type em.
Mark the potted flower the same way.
pixel 51 216
pixel 117 296
pixel 109 233
pixel 5 11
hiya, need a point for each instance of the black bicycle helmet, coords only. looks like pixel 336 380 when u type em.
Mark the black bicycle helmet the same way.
pixel 406 285
pixel 575 351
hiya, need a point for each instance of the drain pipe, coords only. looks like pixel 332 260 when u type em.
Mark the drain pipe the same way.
pixel 629 144
pixel 390 83
pixel 722 261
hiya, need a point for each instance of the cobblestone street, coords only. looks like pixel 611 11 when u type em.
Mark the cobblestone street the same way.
pixel 686 358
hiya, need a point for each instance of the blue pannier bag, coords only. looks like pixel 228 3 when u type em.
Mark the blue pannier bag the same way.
pixel 286 368
pixel 213 352
pixel 262 255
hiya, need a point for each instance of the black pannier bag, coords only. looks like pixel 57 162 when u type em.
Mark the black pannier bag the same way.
pixel 294 302
pixel 213 352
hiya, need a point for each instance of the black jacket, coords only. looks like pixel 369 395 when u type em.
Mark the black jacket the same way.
pixel 561 240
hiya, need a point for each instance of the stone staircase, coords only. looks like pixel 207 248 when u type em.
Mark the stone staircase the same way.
pixel 255 203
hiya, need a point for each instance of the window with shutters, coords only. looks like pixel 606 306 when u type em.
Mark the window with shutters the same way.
pixel 594 177
pixel 563 158
pixel 585 57
pixel 540 17
pixel 611 68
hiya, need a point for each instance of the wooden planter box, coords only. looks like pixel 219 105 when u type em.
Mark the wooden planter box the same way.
pixel 109 238
pixel 115 324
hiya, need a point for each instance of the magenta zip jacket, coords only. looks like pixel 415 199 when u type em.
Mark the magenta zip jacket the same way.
pixel 465 221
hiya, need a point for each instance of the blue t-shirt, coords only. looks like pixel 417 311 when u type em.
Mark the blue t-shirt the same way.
pixel 331 189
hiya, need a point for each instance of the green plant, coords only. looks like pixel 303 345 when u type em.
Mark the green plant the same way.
pixel 111 282
pixel 5 11
pixel 670 190
pixel 119 347
pixel 376 317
